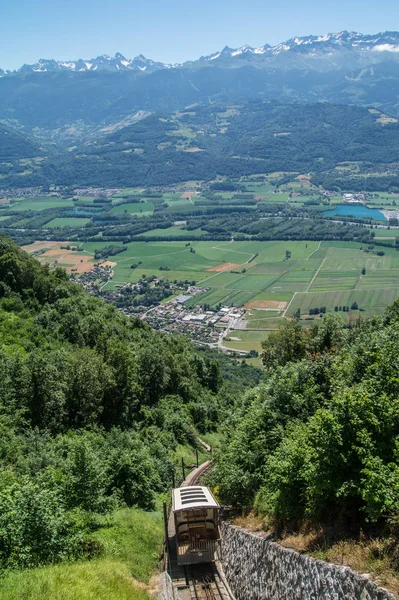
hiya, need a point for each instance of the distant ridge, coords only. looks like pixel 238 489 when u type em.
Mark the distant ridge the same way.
pixel 329 48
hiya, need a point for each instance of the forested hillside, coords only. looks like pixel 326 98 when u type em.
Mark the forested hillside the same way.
pixel 252 137
pixel 14 145
pixel 92 408
pixel 319 440
pixel 223 139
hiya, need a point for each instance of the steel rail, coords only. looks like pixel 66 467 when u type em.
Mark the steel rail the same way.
pixel 230 595
pixel 206 468
pixel 204 586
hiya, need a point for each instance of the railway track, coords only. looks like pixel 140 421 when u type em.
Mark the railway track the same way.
pixel 205 583
pixel 195 476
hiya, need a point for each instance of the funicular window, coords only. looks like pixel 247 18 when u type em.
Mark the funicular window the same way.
pixel 193 516
pixel 192 519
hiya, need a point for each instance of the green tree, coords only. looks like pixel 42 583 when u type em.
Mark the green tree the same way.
pixel 289 343
pixel 153 373
pixel 328 333
pixel 89 380
pixel 85 482
pixel 35 528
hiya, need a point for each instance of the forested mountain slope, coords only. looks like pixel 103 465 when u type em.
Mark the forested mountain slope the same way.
pixel 219 139
pixel 232 140
pixel 92 407
pixel 15 145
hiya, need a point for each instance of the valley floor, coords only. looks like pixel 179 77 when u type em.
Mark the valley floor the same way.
pixel 266 281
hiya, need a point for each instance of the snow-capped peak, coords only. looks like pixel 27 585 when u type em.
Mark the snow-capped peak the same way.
pixel 319 47
pixel 241 50
pixel 381 42
pixel 104 62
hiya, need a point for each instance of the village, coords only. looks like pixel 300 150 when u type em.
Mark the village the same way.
pixel 94 279
pixel 203 326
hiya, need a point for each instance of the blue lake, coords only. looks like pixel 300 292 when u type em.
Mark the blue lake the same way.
pixel 358 211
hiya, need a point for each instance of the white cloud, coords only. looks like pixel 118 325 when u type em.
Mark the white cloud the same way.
pixel 386 48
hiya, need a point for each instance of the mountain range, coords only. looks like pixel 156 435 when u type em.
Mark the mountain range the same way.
pixel 66 101
pixel 131 120
pixel 311 51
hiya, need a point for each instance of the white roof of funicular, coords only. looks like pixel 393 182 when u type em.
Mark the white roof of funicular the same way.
pixel 194 496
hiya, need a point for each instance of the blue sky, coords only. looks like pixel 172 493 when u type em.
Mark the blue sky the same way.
pixel 175 30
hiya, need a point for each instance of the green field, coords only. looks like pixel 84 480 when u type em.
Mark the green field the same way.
pixel 372 301
pixel 172 231
pixel 386 234
pixel 193 261
pixel 317 274
pixel 39 204
pixel 134 208
pixel 383 199
pixel 246 340
pixel 68 222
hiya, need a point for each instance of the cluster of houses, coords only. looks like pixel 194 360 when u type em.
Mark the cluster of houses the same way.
pixel 90 192
pixel 354 198
pixel 177 315
pixel 203 326
pixel 123 294
pixel 93 280
pixel 26 192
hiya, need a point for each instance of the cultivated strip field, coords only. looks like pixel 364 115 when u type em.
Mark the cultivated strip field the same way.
pixel 257 274
pixel 271 279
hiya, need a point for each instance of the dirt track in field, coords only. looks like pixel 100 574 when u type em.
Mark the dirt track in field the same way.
pixel 266 304
pixel 223 267
pixel 39 245
pixel 55 255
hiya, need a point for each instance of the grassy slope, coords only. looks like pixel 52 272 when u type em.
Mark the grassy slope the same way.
pixel 100 579
pixel 131 541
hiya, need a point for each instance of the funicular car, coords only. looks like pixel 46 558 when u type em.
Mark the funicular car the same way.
pixel 196 517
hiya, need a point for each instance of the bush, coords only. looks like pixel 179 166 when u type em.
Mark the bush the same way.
pixel 35 526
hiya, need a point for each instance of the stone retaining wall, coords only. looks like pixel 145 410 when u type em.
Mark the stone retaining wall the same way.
pixel 167 589
pixel 259 569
